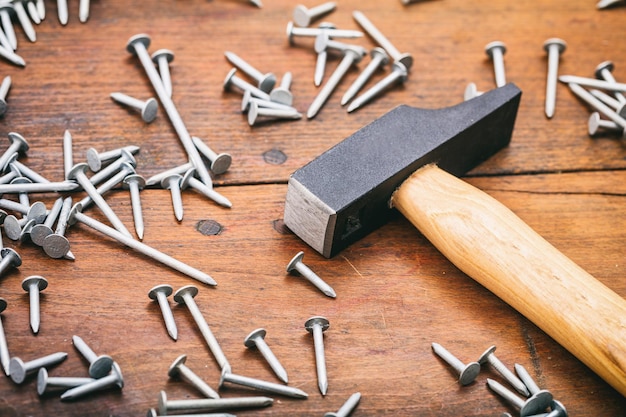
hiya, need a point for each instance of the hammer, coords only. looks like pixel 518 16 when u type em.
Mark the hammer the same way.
pixel 408 159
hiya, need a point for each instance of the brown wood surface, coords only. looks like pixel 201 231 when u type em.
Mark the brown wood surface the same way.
pixel 396 293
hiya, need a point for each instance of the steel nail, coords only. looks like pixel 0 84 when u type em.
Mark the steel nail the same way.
pixel 398 74
pixel 597 104
pixel 347 407
pixel 554 47
pixel 15 165
pixel 10 258
pixel 115 378
pixel 188 180
pixel 40 231
pixel 306 272
pixel 37 187
pixel 595 123
pixel 248 99
pixel 265 82
pixel 535 404
pixel 233 80
pixel 258 384
pixel 160 294
pixel 83 10
pixel 45 383
pixel 379 59
pixel 76 216
pixel 317 325
pixel 185 295
pixel 593 83
pixel 179 369
pixel 135 183
pixel 489 357
pixel 31 7
pixel 467 373
pixel 172 183
pixel 68 156
pixel 124 170
pixel 99 365
pixel 62 11
pixel 33 285
pixel 219 162
pixel 41 9
pixel 4 90
pixel 303 16
pixel 24 20
pixel 605 71
pixel 496 50
pixel 19 370
pixel 18 144
pixel 257 339
pixel 322 56
pixel 157 178
pixel 293 32
pixel 282 94
pixel 114 167
pixel 210 404
pixel 7 24
pixel 56 245
pixel 5 358
pixel 254 111
pixel 147 108
pixel 162 59
pixel 22 195
pixel 619 107
pixel 95 158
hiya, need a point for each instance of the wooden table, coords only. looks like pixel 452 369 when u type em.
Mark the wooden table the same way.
pixel 396 293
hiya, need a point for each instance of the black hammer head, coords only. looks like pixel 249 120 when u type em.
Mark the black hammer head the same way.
pixel 343 194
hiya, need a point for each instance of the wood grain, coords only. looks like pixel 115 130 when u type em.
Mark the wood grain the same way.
pixel 396 292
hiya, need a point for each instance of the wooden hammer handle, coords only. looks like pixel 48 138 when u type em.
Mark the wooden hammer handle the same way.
pixel 492 245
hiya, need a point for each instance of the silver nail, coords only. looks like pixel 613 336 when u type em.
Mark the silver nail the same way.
pixel 554 47
pixel 265 82
pixel 4 90
pixel 62 11
pixel 172 183
pixel 282 94
pixel 351 56
pixel 257 339
pixel 68 155
pixel 99 365
pixel 83 10
pixel 185 295
pixel 160 294
pixel 115 378
pixel 124 170
pixel 95 158
pixel 595 123
pixel 135 183
pixel 219 162
pixel 306 272
pixel 179 369
pixel 597 104
pixel 188 180
pixel 347 407
pixel 37 187
pixel 248 99
pixel 56 245
pixel 379 59
pixel 78 173
pixel 7 24
pixel 31 7
pixel 147 108
pixel 405 58
pixel 317 325
pixel 303 16
pixel 24 20
pixel 40 231
pixel 45 383
pixel 258 384
pixel 162 59
pixel 19 370
pixel 33 176
pixel 322 55
pixel 467 373
pixel 5 358
pixel 33 285
pixel 22 195
pixel 137 46
pixel 398 74
pixel 41 9
pixel 593 83
pixel 233 80
pixel 605 71
pixel 10 258
pixel 254 111
pixel 210 404
pixel 489 357
pixel 18 144
pixel 293 32
pixel 76 216
pixel 615 104
pixel 535 404
pixel 157 178
pixel 496 50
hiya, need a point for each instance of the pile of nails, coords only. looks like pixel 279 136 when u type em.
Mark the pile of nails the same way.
pixel 533 402
pixel 211 400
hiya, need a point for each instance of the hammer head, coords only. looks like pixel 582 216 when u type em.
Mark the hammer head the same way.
pixel 343 194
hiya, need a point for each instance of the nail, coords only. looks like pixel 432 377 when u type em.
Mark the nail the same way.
pixel 471 91
pixel 254 111
pixel 185 295
pixel 597 104
pixel 22 196
pixel 137 46
pixel 322 55
pixel 32 12
pixel 297 264
pixel 5 358
pixel 24 20
pixel 162 59
pixel 135 183
pixel 76 216
pixel 317 325
pixel 554 47
pixel 56 245
pixel 25 233
pixel 179 369
pixel 78 173
pixel 46 383
pixel 124 170
pixel 620 108
pixel 265 82
pixel 95 158
pixel 157 178
pixel 68 156
pixel 604 4
pixel 37 187
pixel 467 373
pixel 7 24
pixel 41 9
pixel 595 123
pixel 282 93
pixel 83 10
pixel 99 366
pixel 4 90
pixel 147 108
pixel 13 226
pixel 379 60
pixel 351 56
pixel 303 16
pixel 18 144
pixel 248 99
pixel 153 413
pixel 489 357
pixel 114 167
pixel 210 404
pixel 188 180
pixel 593 83
pixel 115 378
pixel 604 71
pixel 62 11
pixel 293 32
pixel 40 231
pixel 233 80
pixel 261 385
pixel 19 369
pixel 10 258
pixel 33 285
pixel 219 162
pixel 257 339
pixel 347 407
pixel 398 74
pixel 160 294
pixel 405 58
pixel 535 404
pixel 496 50
pixel 172 183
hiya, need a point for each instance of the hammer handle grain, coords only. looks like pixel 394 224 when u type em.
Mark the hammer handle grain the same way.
pixel 496 248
